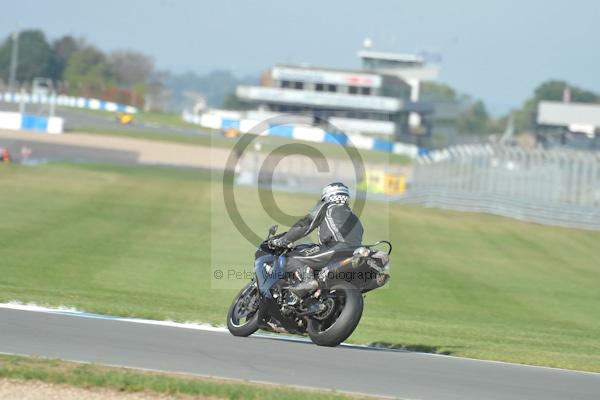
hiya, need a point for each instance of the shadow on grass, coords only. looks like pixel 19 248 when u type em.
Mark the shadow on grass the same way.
pixel 418 348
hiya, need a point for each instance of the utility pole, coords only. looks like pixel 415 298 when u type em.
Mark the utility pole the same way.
pixel 14 61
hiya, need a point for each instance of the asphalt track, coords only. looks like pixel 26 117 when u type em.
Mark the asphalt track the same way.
pixel 212 352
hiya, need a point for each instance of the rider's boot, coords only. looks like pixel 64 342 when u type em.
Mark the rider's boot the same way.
pixel 307 285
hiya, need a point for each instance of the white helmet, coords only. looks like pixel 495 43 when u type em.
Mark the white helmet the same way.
pixel 335 192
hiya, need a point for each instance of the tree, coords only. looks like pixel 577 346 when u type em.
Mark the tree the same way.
pixel 82 69
pixel 435 91
pixel 131 68
pixel 215 86
pixel 87 72
pixel 156 95
pixel 232 102
pixel 62 50
pixel 553 90
pixel 134 74
pixel 474 119
pixel 35 56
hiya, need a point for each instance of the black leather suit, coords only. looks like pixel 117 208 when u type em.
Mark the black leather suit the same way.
pixel 339 231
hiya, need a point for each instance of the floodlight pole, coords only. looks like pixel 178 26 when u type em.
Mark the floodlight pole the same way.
pixel 14 61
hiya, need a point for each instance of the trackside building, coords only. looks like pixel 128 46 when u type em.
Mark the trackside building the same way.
pixel 571 124
pixel 380 100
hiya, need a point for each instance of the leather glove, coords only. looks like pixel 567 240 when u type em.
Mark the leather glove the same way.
pixel 279 242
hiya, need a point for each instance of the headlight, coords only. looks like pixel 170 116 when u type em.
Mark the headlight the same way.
pixel 362 252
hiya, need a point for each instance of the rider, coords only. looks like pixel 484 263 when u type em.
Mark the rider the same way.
pixel 338 229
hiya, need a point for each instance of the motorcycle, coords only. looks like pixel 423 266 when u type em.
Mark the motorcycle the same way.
pixel 328 315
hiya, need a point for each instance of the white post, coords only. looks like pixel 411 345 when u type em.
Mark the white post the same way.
pixel 52 104
pixel 22 102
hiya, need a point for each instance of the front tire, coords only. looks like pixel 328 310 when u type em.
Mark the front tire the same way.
pixel 242 318
pixel 340 325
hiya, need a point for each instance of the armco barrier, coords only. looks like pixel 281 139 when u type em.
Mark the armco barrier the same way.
pixel 307 133
pixel 556 186
pixel 37 123
pixel 66 101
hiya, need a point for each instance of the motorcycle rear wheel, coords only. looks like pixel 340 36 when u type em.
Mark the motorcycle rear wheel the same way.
pixel 240 320
pixel 339 326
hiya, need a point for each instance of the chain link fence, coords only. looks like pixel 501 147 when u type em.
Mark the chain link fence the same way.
pixel 555 187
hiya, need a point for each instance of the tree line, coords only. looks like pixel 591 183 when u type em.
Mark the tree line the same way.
pixel 473 117
pixel 81 69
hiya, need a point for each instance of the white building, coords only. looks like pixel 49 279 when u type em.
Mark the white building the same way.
pixel 573 124
pixel 382 99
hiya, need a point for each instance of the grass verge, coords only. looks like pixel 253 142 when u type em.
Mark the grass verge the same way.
pixel 152 117
pixel 144 241
pixel 214 138
pixel 133 381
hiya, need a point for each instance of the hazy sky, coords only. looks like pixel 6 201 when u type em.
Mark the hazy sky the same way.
pixel 495 50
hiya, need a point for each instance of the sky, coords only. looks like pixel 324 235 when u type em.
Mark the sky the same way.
pixel 498 51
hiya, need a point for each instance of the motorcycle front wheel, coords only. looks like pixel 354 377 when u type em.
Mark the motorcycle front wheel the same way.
pixel 242 318
pixel 335 325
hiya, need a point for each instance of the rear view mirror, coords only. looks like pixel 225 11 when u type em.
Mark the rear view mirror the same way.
pixel 273 230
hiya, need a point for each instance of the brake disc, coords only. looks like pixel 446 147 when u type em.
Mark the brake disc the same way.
pixel 329 307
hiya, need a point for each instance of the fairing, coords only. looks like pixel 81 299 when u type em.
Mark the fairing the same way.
pixel 265 279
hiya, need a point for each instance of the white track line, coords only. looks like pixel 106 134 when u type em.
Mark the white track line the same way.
pixel 78 313
pixel 201 326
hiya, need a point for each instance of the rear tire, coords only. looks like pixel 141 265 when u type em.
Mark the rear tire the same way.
pixel 234 323
pixel 346 321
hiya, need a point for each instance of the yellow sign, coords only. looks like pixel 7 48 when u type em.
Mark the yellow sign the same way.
pixel 377 181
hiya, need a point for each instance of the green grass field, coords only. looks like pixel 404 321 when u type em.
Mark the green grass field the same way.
pixel 143 241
